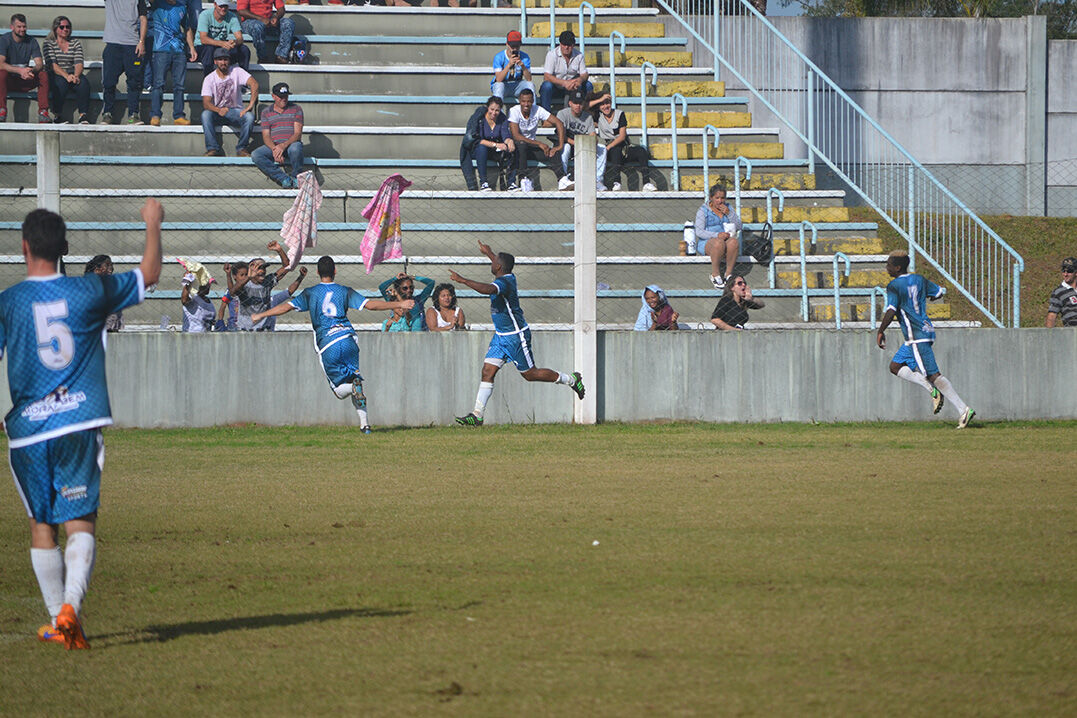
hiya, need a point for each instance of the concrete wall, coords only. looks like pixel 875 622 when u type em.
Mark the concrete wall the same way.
pixel 168 380
pixel 1061 129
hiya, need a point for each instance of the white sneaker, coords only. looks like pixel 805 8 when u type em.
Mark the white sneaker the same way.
pixel 616 186
pixel 526 185
pixel 564 183
pixel 718 282
pixel 649 187
pixel 966 418
pixel 484 187
pixel 601 187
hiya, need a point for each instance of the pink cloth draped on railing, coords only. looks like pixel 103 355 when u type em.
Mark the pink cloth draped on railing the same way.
pixel 382 240
pixel 300 228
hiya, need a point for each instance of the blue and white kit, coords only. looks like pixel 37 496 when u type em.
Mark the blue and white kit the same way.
pixel 512 336
pixel 907 295
pixel 334 336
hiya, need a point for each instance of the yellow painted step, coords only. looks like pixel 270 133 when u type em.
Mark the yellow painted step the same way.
pixel 849 245
pixel 824 278
pixel 726 150
pixel 758 181
pixel 571 3
pixel 796 214
pixel 719 119
pixel 600 29
pixel 666 88
pixel 862 312
pixel 936 311
pixel 634 58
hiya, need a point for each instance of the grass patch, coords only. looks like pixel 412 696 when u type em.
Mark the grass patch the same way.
pixel 772 569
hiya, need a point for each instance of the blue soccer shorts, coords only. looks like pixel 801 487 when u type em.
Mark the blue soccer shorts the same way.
pixel 515 348
pixel 340 360
pixel 59 479
pixel 918 357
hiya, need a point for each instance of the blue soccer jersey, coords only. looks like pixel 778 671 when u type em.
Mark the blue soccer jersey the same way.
pixel 505 306
pixel 328 304
pixel 907 295
pixel 53 329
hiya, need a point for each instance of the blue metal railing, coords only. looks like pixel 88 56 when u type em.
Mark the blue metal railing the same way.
pixel 748 50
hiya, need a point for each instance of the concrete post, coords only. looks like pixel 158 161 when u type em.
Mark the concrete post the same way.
pixel 48 170
pixel 585 282
pixel 1036 115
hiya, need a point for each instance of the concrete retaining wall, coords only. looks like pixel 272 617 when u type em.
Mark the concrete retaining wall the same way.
pixel 176 380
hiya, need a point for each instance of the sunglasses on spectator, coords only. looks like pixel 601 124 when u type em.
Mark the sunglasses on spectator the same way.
pixel 63 27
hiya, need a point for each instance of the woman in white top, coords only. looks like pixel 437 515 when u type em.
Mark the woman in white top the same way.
pixel 444 316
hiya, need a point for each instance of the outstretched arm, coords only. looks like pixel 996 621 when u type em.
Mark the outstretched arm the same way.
pixel 479 287
pixel 282 308
pixel 153 214
pixel 275 246
pixel 378 305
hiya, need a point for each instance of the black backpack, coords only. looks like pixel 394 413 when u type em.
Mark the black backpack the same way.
pixel 760 246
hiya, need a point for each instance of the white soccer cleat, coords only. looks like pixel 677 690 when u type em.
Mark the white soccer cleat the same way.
pixel 966 418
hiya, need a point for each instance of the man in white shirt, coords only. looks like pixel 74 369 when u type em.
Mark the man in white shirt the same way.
pixel 524 121
pixel 564 71
pixel 222 104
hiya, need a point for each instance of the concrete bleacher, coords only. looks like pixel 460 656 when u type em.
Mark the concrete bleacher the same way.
pixel 379 101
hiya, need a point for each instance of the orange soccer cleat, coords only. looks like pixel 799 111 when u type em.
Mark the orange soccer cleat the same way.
pixel 49 634
pixel 68 624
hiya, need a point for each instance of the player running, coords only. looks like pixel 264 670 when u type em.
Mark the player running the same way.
pixel 334 336
pixel 512 337
pixel 53 328
pixel 914 362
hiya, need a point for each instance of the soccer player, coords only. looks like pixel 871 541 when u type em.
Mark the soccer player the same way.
pixel 53 328
pixel 512 336
pixel 334 336
pixel 914 362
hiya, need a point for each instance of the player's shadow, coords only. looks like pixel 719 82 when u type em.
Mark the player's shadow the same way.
pixel 163 633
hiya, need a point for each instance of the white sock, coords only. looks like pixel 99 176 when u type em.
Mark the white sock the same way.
pixel 48 566
pixel 363 420
pixel 486 390
pixel 563 378
pixel 79 555
pixel 915 377
pixel 943 384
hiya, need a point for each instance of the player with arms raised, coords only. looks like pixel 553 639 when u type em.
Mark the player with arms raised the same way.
pixel 512 336
pixel 53 329
pixel 334 336
pixel 907 296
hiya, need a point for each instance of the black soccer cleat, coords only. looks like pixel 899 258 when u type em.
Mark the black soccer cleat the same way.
pixel 577 384
pixel 469 420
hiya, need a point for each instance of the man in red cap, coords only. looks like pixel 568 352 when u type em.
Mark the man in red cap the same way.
pixel 512 68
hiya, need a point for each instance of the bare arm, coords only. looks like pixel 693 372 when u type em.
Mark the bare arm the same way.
pixel 377 305
pixel 275 246
pixel 282 308
pixel 153 214
pixel 253 84
pixel 479 287
pixel 552 121
pixel 880 336
pixel 1051 318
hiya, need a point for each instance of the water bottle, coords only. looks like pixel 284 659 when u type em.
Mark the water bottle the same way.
pixel 689 238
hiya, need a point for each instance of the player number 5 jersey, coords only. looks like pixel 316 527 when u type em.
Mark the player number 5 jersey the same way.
pixel 53 330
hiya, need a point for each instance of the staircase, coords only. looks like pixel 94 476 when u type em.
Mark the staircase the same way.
pixel 389 90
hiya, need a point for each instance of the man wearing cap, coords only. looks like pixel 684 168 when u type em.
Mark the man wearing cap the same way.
pixel 219 27
pixel 564 71
pixel 512 68
pixel 1064 299
pixel 282 132
pixel 262 17
pixel 578 120
pixel 222 104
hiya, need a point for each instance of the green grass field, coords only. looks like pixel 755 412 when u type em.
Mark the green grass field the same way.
pixel 883 569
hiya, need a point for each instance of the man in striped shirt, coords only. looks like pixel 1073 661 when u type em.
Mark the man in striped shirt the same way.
pixel 1063 302
pixel 282 132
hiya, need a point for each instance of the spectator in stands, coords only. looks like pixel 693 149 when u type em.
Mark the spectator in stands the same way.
pixel 102 265
pixel 1063 301
pixel 261 19
pixel 612 127
pixel 125 51
pixel 512 68
pixel 731 312
pixel 564 71
pixel 488 132
pixel 524 121
pixel 198 312
pixel 222 104
pixel 578 120
pixel 397 321
pixel 656 314
pixel 282 132
pixel 64 62
pixel 173 45
pixel 284 296
pixel 445 316
pixel 219 27
pixel 717 231
pixel 403 286
pixel 254 292
pixel 233 273
pixel 22 68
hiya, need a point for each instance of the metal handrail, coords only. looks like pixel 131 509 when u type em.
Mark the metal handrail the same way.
pixel 804 266
pixel 523 16
pixel 837 289
pixel 876 290
pixel 771 193
pixel 673 120
pixel 936 224
pixel 643 93
pixel 583 35
pixel 741 160
pixel 613 86
pixel 707 158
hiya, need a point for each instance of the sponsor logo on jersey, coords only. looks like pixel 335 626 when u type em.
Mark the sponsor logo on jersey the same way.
pixel 73 493
pixel 57 402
